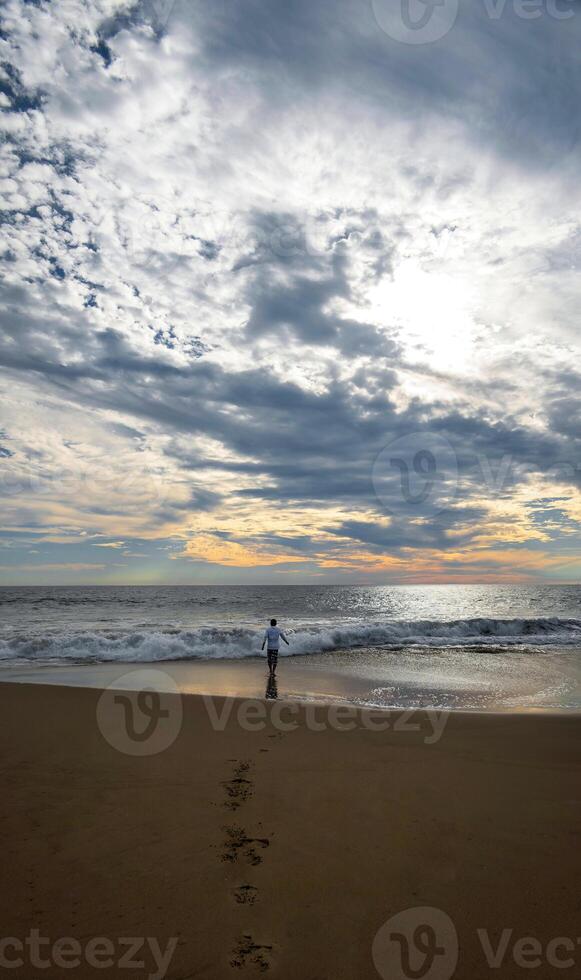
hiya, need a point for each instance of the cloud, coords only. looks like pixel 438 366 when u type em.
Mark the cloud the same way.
pixel 210 548
pixel 248 249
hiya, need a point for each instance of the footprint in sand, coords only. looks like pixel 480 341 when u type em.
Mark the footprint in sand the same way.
pixel 238 788
pixel 248 953
pixel 245 894
pixel 238 844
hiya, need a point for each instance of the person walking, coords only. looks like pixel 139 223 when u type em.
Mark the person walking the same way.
pixel 272 637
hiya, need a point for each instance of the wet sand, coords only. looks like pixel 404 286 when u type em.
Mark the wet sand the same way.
pixel 281 851
pixel 455 679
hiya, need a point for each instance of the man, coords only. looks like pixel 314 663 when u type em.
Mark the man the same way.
pixel 271 638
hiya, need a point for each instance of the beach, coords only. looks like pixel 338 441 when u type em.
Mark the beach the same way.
pixel 281 845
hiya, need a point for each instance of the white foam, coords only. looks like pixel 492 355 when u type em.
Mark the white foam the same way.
pixel 213 643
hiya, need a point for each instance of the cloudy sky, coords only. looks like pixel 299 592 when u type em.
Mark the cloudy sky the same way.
pixel 290 291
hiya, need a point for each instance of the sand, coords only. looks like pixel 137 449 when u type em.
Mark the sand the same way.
pixel 283 853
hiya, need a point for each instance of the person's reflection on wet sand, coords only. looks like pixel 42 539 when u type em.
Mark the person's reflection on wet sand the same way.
pixel 271 688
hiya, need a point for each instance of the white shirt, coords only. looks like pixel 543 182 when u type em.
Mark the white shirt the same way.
pixel 271 635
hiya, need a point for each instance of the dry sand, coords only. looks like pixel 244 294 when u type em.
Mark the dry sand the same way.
pixel 282 853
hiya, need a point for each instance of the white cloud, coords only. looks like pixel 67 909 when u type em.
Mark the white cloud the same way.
pixel 159 198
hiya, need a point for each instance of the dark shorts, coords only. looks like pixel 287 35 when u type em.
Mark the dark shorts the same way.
pixel 272 657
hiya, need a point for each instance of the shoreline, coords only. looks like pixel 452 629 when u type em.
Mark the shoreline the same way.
pixel 207 842
pixel 321 679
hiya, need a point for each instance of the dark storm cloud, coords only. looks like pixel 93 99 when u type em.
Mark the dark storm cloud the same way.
pixel 297 446
pixel 301 445
pixel 333 432
pixel 200 498
pixel 318 445
pixel 299 543
pixel 401 534
pixel 564 405
pixel 292 284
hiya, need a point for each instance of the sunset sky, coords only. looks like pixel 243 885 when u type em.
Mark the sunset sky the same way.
pixel 286 298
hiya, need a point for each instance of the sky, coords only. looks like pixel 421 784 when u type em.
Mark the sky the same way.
pixel 290 291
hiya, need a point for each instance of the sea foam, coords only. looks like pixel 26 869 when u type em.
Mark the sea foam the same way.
pixel 237 642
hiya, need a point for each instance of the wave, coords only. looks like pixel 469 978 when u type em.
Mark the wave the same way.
pixel 214 643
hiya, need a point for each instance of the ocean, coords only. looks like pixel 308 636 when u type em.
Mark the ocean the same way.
pixel 472 646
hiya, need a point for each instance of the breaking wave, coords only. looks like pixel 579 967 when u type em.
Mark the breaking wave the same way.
pixel 214 643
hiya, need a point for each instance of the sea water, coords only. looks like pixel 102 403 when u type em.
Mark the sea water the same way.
pixel 425 645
